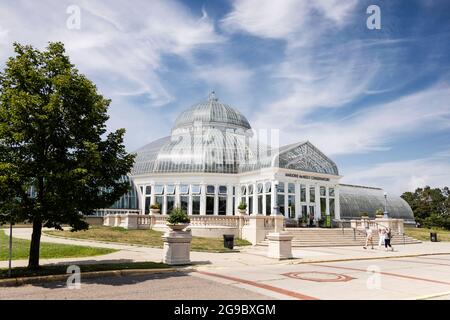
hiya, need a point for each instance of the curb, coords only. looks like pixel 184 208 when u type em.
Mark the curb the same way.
pixel 20 281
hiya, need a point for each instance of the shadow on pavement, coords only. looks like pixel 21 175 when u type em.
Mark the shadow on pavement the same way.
pixel 116 280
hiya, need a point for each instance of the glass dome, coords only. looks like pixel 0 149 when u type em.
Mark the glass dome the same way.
pixel 211 113
pixel 215 138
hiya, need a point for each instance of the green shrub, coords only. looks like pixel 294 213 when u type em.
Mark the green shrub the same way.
pixel 178 216
pixel 242 206
pixel 155 206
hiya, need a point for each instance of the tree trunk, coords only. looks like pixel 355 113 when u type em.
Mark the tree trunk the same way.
pixel 33 262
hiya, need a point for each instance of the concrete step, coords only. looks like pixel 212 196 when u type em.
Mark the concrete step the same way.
pixel 336 244
pixel 317 237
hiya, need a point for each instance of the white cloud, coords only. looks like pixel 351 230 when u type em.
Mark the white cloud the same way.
pixel 317 70
pixel 287 19
pixel 376 127
pixel 400 176
pixel 121 47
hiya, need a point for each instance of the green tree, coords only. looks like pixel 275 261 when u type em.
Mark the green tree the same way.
pixel 431 206
pixel 58 163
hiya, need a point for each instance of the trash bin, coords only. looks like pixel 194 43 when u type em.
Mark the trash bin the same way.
pixel 433 237
pixel 228 241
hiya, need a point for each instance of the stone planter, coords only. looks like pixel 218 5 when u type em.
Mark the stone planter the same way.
pixel 178 226
pixel 155 211
pixel 242 212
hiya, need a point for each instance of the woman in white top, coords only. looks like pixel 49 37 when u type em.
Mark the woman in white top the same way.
pixel 369 238
pixel 382 236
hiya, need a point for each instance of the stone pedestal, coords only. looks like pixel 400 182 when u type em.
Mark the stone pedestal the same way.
pixel 280 245
pixel 177 247
pixel 129 221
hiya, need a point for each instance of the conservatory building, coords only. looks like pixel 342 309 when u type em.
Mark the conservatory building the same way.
pixel 212 161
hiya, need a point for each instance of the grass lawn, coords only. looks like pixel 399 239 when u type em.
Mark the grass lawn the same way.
pixel 61 269
pixel 149 238
pixel 423 234
pixel 21 249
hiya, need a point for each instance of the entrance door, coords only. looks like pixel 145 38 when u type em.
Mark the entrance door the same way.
pixel 311 216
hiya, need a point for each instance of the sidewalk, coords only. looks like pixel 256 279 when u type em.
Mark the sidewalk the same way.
pixel 249 256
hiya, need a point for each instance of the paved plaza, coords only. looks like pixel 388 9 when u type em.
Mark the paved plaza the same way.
pixel 417 271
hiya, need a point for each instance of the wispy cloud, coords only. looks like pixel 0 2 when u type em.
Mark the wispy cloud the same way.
pixel 400 176
pixel 377 127
pixel 121 48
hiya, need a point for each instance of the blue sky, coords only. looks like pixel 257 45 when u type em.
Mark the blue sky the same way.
pixel 376 101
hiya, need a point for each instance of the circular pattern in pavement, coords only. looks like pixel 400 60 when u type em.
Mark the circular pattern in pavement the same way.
pixel 318 276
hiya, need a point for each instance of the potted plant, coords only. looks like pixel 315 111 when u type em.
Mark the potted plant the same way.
pixel 303 221
pixel 155 208
pixel 379 213
pixel 321 222
pixel 242 208
pixel 178 219
pixel 364 215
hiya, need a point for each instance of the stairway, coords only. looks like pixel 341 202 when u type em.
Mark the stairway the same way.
pixel 318 237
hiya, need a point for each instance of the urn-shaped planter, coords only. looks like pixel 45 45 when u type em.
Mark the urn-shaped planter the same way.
pixel 242 212
pixel 155 211
pixel 178 226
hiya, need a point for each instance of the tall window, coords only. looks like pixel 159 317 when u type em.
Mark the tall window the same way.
pixel 184 197
pixel 291 206
pixel 250 199
pixel 312 194
pixel 323 201
pixel 234 201
pixel 159 199
pixel 311 214
pixel 304 212
pixel 260 197
pixel 210 191
pixel 148 193
pixel 268 190
pixel 195 191
pixel 291 200
pixel 170 196
pixel 280 198
pixel 222 200
pixel 243 194
pixel 147 205
pixel 332 201
pixel 302 193
pixel 332 207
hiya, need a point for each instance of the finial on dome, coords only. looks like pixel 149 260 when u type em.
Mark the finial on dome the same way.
pixel 212 96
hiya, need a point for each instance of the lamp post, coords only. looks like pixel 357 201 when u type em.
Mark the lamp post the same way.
pixel 385 206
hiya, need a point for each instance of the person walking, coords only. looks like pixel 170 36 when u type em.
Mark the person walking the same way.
pixel 381 237
pixel 369 237
pixel 387 239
